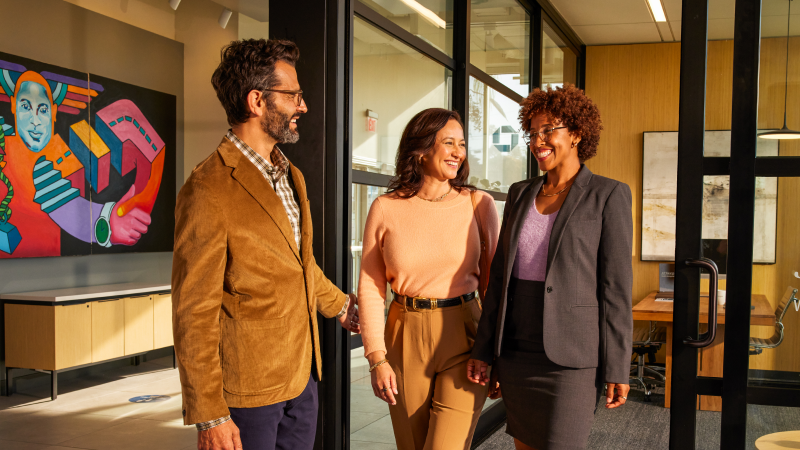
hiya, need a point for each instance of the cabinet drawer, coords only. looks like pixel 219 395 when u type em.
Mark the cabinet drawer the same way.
pixel 73 325
pixel 138 324
pixel 108 330
pixel 162 321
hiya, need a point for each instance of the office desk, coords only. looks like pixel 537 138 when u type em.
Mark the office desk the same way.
pixel 711 357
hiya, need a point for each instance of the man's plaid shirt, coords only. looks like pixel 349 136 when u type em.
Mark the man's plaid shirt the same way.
pixel 277 173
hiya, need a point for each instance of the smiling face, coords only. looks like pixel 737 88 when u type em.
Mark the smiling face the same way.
pixel 34 115
pixel 444 159
pixel 560 147
pixel 280 119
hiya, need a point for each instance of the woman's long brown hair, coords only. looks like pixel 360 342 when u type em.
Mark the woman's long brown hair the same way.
pixel 419 139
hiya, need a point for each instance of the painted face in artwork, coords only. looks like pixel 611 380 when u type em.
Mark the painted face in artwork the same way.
pixel 34 115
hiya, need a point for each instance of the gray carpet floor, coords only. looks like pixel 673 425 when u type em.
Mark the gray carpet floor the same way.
pixel 645 425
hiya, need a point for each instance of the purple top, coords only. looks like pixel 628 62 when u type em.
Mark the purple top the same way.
pixel 534 239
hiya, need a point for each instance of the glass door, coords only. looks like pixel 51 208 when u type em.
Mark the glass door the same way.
pixel 736 338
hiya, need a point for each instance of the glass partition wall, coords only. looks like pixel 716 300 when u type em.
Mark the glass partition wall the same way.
pixel 406 58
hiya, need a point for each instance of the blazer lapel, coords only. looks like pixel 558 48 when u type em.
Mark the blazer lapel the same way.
pixel 305 214
pixel 572 201
pixel 518 215
pixel 251 179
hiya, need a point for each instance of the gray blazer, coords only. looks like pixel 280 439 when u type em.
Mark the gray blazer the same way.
pixel 587 310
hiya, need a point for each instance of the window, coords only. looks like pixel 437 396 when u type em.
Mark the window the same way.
pixel 498 156
pixel 559 63
pixel 429 20
pixel 500 42
pixel 391 83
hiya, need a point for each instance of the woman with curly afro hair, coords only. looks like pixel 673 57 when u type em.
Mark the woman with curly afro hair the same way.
pixel 556 323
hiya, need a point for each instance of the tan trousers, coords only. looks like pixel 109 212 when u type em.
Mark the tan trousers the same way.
pixel 437 406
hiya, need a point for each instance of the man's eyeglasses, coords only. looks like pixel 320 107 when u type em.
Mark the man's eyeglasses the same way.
pixel 298 95
pixel 545 134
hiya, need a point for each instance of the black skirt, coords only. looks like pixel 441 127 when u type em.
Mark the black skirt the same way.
pixel 549 407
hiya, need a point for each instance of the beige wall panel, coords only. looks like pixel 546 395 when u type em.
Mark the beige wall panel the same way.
pixel 162 321
pixel 108 330
pixel 205 123
pixel 73 335
pixel 138 324
pixel 30 336
pixel 636 88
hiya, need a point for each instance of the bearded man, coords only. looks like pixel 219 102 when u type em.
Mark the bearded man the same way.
pixel 245 286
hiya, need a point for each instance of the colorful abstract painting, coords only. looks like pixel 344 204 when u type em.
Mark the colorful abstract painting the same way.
pixel 87 164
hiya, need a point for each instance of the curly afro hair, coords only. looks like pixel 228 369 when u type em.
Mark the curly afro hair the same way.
pixel 573 108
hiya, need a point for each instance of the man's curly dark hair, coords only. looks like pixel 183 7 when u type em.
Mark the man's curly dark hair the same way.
pixel 573 108
pixel 248 65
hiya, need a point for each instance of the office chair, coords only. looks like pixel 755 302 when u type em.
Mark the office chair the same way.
pixel 757 345
pixel 647 340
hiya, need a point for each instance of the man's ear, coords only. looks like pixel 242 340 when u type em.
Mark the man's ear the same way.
pixel 256 103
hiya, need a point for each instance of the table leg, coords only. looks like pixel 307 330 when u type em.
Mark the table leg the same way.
pixel 668 383
pixel 53 385
pixel 8 382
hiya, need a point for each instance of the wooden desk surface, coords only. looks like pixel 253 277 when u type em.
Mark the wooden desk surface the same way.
pixel 650 309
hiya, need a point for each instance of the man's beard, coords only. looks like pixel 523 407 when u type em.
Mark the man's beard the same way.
pixel 278 125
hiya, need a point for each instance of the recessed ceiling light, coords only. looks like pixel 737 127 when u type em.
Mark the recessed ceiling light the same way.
pixel 658 10
pixel 426 13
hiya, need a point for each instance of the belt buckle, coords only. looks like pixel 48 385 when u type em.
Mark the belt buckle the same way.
pixel 414 303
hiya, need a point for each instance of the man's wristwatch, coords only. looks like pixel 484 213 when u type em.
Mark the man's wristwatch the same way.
pixel 102 228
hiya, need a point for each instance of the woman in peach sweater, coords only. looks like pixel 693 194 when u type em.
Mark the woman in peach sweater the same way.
pixel 427 238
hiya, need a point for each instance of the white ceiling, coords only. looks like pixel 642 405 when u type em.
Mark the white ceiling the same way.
pixel 599 22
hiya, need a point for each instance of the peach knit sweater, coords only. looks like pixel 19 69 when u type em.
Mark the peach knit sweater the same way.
pixel 423 249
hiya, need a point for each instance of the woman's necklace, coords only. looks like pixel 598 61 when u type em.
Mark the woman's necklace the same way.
pixel 541 192
pixel 438 199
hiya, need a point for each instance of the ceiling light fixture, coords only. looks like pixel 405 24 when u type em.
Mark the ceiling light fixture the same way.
pixel 174 4
pixel 225 17
pixel 658 10
pixel 785 132
pixel 426 13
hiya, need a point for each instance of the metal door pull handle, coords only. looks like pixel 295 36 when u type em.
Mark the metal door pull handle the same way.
pixel 706 338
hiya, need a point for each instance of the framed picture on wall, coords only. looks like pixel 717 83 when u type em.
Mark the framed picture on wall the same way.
pixel 659 200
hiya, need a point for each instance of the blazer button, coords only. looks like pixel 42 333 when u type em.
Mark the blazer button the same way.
pixel 549 289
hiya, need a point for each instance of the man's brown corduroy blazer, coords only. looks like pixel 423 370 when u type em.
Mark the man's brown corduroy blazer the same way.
pixel 244 301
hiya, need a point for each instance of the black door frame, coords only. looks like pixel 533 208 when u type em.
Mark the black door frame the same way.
pixel 689 212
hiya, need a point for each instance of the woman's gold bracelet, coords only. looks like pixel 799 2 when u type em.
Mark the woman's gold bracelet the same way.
pixel 374 366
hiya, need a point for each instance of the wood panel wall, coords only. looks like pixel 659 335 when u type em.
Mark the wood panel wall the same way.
pixel 637 89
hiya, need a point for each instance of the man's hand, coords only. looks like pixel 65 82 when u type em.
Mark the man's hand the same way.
pixel 221 437
pixel 349 320
pixel 616 395
pixel 477 371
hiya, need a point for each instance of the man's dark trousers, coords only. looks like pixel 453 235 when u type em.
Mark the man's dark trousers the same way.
pixel 289 425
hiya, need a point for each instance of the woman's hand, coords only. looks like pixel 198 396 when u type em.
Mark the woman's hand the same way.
pixel 616 394
pixel 494 386
pixel 384 381
pixel 477 371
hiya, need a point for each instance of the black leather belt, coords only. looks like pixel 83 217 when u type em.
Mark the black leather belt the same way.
pixel 418 303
